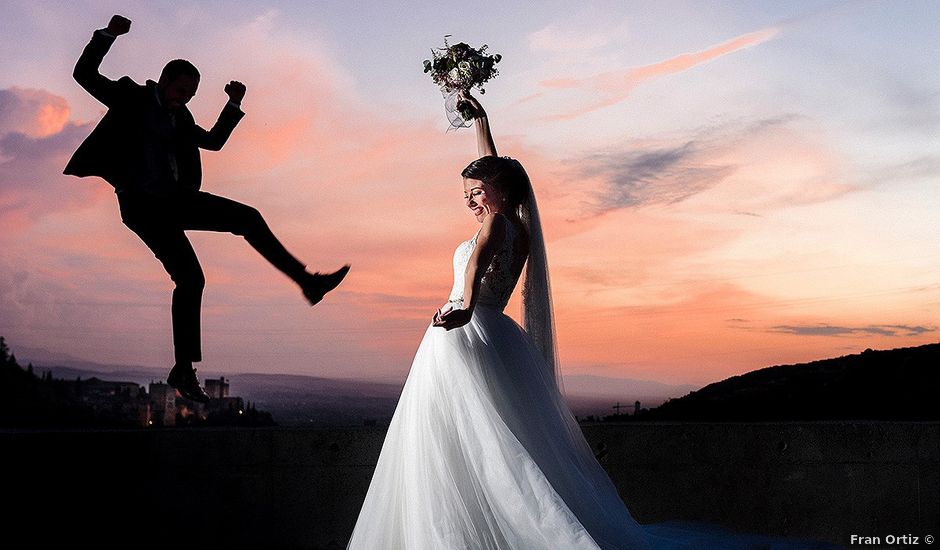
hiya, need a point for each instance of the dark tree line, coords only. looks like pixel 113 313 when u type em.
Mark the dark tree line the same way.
pixel 31 401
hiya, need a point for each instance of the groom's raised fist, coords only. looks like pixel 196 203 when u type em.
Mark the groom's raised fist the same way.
pixel 236 91
pixel 118 25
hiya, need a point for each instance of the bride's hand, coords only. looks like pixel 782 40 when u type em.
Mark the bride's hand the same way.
pixel 441 311
pixel 453 319
pixel 465 98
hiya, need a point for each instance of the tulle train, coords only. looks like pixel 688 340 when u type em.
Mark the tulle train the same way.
pixel 483 453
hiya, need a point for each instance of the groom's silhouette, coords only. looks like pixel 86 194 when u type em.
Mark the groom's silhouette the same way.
pixel 147 147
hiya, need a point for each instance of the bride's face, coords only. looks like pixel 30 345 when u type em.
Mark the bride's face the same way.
pixel 481 198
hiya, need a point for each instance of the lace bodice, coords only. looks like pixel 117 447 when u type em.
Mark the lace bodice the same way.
pixel 498 281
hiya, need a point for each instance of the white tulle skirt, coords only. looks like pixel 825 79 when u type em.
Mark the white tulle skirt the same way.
pixel 483 453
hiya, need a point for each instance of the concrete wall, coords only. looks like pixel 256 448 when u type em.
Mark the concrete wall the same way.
pixel 302 488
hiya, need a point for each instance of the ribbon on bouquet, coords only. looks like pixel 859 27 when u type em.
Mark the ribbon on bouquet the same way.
pixel 454 116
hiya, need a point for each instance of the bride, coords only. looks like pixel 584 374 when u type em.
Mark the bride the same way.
pixel 482 451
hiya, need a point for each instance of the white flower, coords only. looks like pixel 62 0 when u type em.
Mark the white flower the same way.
pixel 464 66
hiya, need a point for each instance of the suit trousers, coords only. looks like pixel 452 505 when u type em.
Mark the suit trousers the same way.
pixel 161 222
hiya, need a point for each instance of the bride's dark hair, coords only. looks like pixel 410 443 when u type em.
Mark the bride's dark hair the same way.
pixel 505 174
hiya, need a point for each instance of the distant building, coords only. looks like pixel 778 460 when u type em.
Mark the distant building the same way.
pixel 233 404
pixel 118 401
pixel 94 390
pixel 162 404
pixel 220 399
pixel 144 414
pixel 190 412
pixel 217 389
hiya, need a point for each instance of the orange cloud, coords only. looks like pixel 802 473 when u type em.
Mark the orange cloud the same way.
pixel 615 86
pixel 36 113
pixel 36 140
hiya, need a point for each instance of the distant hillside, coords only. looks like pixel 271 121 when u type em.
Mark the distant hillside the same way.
pixel 899 384
pixel 315 401
pixel 296 400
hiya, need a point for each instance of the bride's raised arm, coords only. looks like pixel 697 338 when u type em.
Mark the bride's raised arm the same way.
pixel 485 144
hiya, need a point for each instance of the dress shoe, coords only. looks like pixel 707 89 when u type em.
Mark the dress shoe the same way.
pixel 318 284
pixel 183 378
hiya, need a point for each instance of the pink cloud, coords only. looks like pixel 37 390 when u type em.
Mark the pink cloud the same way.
pixel 615 86
pixel 36 140
pixel 36 113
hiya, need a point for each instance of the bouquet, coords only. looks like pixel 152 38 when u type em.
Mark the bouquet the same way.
pixel 458 68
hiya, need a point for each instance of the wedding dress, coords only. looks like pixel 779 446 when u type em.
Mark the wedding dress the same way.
pixel 482 451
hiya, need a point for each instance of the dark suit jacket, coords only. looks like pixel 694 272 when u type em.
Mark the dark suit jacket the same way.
pixel 132 146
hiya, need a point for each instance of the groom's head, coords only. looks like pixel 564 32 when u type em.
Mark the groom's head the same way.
pixel 178 83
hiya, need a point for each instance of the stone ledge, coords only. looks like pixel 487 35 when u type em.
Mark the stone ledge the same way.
pixel 302 488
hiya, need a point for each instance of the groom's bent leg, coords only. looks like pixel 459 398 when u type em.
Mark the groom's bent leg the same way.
pixel 169 244
pixel 208 212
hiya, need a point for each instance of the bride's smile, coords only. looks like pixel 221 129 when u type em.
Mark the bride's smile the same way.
pixel 481 198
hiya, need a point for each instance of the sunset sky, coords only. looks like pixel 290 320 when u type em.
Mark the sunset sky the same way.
pixel 724 185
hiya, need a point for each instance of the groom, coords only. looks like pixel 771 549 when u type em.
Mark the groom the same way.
pixel 147 147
